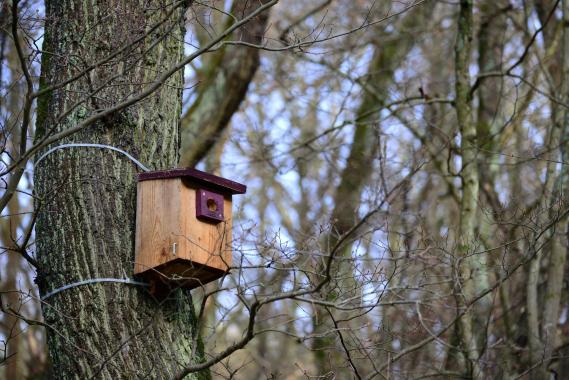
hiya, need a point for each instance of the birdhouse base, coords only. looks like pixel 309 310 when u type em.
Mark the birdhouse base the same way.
pixel 180 273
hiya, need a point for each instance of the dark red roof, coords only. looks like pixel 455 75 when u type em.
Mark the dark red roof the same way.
pixel 197 176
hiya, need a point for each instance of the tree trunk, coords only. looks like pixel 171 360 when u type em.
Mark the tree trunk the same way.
pixel 559 244
pixel 12 330
pixel 85 228
pixel 469 267
pixel 543 336
pixel 226 80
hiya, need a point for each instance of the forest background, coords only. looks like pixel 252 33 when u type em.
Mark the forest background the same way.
pixel 406 162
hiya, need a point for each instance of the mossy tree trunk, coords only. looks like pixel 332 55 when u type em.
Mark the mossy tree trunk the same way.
pixel 553 293
pixel 86 196
pixel 470 266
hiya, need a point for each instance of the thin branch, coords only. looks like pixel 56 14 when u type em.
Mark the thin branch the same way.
pixel 508 72
pixel 343 343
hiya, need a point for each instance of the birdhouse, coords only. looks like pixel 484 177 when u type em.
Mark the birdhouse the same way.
pixel 183 227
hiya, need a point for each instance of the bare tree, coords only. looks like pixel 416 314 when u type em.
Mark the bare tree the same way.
pixel 406 214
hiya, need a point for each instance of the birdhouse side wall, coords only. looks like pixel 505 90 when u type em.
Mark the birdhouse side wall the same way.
pixel 158 229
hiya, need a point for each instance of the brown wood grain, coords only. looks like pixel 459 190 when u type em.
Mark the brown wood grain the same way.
pixel 166 215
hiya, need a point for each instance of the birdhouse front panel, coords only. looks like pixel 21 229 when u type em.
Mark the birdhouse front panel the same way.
pixel 183 226
pixel 204 242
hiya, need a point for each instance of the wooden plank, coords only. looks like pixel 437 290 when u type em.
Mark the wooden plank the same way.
pixel 157 227
pixel 205 243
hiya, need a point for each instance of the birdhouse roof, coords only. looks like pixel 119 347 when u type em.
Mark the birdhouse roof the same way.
pixel 198 177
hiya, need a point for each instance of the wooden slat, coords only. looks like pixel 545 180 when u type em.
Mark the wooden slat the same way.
pixel 203 242
pixel 222 185
pixel 157 226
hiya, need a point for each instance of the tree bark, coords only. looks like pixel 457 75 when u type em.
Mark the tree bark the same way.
pixel 11 300
pixel 468 266
pixel 559 244
pixel 546 304
pixel 85 227
pixel 493 26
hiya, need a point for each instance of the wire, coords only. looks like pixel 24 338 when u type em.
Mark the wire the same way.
pixel 138 163
pixel 93 281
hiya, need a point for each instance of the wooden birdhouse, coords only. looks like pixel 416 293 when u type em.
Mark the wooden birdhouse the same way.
pixel 183 227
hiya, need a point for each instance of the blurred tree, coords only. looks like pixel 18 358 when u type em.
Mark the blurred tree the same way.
pixel 224 80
